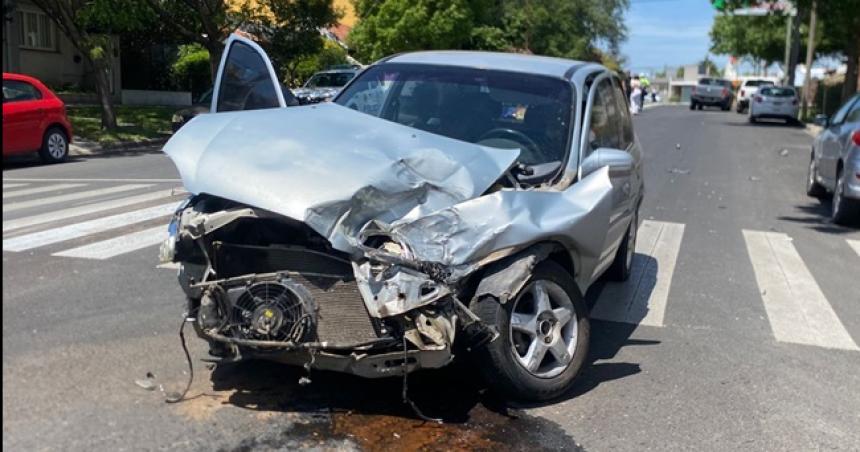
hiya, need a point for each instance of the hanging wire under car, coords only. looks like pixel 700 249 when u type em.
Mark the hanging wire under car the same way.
pixel 406 398
pixel 174 397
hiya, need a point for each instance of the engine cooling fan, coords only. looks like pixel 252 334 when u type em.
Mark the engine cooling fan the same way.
pixel 273 311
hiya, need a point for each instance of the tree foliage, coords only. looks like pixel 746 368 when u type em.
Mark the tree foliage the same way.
pixel 190 70
pixel 579 29
pixel 88 25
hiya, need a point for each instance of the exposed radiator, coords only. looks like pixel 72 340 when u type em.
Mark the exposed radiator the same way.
pixel 342 317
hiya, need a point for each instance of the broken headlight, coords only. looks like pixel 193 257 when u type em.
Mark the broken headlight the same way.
pixel 167 251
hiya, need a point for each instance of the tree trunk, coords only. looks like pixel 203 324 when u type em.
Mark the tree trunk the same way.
pixel 810 54
pixel 102 80
pixel 215 50
pixel 852 72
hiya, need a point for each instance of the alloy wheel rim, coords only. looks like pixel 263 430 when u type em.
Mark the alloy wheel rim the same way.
pixel 56 145
pixel 543 329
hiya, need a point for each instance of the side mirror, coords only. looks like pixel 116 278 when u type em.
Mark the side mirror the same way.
pixel 822 120
pixel 619 162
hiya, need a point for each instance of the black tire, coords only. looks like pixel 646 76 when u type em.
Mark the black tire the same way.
pixel 844 211
pixel 727 106
pixel 55 146
pixel 500 367
pixel 700 107
pixel 813 188
pixel 692 105
pixel 623 263
pixel 753 119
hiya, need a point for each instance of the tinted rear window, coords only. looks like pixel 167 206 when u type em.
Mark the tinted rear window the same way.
pixel 714 82
pixel 758 82
pixel 777 92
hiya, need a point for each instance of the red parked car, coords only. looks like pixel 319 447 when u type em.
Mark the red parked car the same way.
pixel 34 119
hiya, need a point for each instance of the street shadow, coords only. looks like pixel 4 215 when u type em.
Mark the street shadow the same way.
pixel 767 123
pixel 816 215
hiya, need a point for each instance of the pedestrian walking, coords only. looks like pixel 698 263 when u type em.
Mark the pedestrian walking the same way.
pixel 635 95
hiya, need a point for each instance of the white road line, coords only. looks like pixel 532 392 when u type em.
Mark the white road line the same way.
pixel 73 231
pixel 24 179
pixel 5 186
pixel 854 244
pixel 796 307
pixel 35 190
pixel 87 209
pixel 118 245
pixel 642 299
pixel 72 196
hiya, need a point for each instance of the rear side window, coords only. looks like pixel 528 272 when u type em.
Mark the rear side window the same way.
pixel 777 92
pixel 246 83
pixel 624 112
pixel 18 91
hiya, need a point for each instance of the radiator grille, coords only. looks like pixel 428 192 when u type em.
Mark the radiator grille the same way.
pixel 342 317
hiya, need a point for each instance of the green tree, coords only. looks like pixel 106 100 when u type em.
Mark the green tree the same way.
pixel 88 25
pixel 332 54
pixel 580 29
pixel 206 22
pixel 290 30
pixel 760 38
pixel 191 68
pixel 710 67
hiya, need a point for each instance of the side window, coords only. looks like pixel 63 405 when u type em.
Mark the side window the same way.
pixel 246 83
pixel 603 127
pixel 18 91
pixel 854 114
pixel 839 117
pixel 625 123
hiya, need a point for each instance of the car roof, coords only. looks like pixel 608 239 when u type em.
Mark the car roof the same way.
pixel 20 77
pixel 516 62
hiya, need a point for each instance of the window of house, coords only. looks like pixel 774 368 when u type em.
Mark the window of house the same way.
pixel 37 30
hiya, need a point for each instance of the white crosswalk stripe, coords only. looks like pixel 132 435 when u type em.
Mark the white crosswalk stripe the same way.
pixel 796 307
pixel 855 244
pixel 118 245
pixel 37 190
pixel 5 186
pixel 87 209
pixel 73 196
pixel 73 231
pixel 642 299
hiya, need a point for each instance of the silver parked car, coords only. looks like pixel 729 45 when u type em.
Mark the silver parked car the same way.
pixel 774 102
pixel 323 86
pixel 835 163
pixel 444 203
pixel 747 90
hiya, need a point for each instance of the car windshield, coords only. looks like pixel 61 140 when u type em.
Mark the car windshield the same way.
pixel 777 92
pixel 714 82
pixel 493 108
pixel 333 79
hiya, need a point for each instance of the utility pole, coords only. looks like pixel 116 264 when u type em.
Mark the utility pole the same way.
pixel 792 45
pixel 810 53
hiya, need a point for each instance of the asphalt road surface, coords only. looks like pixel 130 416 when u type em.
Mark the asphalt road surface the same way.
pixel 738 331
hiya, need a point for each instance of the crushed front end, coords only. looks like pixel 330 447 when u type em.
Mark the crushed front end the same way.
pixel 262 285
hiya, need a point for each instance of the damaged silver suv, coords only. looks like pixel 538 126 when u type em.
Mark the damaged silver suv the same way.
pixel 445 203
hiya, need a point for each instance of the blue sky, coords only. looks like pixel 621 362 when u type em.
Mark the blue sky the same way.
pixel 668 32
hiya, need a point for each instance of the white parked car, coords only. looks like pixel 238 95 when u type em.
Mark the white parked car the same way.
pixel 777 102
pixel 747 90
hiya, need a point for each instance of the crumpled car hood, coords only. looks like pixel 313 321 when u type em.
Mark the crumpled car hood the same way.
pixel 331 167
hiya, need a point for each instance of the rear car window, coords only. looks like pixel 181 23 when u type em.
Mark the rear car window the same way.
pixel 757 82
pixel 714 82
pixel 777 92
pixel 18 91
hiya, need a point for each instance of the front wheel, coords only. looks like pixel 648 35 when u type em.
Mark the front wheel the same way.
pixel 543 341
pixel 55 146
pixel 692 105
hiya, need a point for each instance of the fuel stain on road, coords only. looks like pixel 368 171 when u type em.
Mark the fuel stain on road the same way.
pixel 342 412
